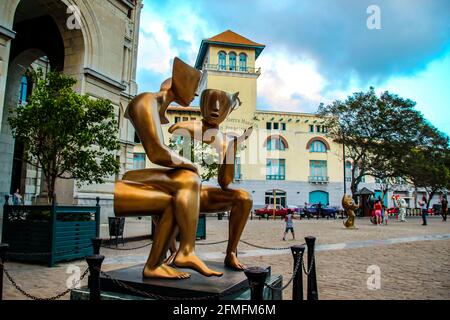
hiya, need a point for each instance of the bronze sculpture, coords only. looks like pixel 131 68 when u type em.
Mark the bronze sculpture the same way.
pixel 215 106
pixel 171 192
pixel 349 206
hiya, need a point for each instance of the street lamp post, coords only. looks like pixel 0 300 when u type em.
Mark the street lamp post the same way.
pixel 343 155
pixel 274 203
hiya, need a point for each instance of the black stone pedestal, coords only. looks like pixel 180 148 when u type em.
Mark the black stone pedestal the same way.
pixel 231 285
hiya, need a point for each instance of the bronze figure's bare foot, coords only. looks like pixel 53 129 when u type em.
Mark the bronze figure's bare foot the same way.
pixel 169 260
pixel 164 272
pixel 191 261
pixel 232 262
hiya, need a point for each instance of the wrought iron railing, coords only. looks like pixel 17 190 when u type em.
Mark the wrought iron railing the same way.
pixel 234 68
pixel 318 179
pixel 275 177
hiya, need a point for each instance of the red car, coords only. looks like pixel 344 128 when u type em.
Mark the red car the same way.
pixel 268 210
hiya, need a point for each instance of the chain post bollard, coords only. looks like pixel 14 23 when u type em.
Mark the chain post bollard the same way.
pixel 297 287
pixel 256 279
pixel 96 244
pixel 3 249
pixel 312 279
pixel 95 265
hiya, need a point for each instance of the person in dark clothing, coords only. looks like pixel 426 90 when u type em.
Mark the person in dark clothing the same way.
pixel 444 208
pixel 319 210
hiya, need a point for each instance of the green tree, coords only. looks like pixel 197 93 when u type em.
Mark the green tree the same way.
pixel 377 132
pixel 199 153
pixel 428 166
pixel 67 135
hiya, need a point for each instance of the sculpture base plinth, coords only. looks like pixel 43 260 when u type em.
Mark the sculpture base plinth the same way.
pixel 126 283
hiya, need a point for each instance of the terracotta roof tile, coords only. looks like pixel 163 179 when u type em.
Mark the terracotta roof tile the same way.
pixel 234 38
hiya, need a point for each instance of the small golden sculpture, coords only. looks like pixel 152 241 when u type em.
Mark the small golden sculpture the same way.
pixel 173 192
pixel 215 106
pixel 349 206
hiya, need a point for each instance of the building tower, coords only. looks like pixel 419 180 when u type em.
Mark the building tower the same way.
pixel 228 63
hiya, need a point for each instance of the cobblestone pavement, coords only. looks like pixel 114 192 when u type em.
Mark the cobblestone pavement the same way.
pixel 413 270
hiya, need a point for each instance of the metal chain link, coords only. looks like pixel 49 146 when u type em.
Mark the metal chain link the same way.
pixel 310 266
pixel 296 269
pixel 127 249
pixel 33 297
pixel 210 243
pixel 262 247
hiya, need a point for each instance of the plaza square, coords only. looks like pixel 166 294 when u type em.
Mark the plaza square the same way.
pixel 224 151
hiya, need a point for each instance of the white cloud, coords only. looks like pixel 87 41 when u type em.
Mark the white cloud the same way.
pixel 155 50
pixel 165 36
pixel 288 83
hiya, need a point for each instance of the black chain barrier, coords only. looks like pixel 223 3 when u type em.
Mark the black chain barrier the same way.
pixel 127 249
pixel 299 265
pixel 266 248
pixel 296 270
pixel 33 297
pixel 210 243
pixel 310 265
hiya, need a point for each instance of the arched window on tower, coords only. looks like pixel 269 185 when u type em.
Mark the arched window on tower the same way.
pixel 318 146
pixel 242 62
pixel 232 59
pixel 276 143
pixel 222 60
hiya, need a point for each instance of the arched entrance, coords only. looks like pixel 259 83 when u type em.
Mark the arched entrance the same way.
pixel 319 196
pixel 41 39
pixel 280 197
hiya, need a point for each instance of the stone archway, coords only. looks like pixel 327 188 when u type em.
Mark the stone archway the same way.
pixel 41 30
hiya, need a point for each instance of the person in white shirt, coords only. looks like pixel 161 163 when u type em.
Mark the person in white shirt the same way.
pixel 289 225
pixel 423 206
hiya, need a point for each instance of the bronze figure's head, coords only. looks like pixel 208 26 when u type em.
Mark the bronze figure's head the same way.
pixel 185 80
pixel 181 87
pixel 216 105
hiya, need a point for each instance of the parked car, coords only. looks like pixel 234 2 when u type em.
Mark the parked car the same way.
pixel 393 210
pixel 327 211
pixel 280 211
pixel 294 209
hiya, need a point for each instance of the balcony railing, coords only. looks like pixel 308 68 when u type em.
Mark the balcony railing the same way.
pixel 234 68
pixel 275 177
pixel 318 179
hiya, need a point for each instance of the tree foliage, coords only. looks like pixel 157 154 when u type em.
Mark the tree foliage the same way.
pixel 379 134
pixel 66 134
pixel 199 153
pixel 428 166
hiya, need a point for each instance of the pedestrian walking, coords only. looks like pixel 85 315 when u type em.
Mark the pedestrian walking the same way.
pixel 319 210
pixel 378 209
pixel 423 206
pixel 289 225
pixel 444 207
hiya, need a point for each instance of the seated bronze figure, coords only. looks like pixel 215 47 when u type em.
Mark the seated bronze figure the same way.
pixel 215 106
pixel 171 192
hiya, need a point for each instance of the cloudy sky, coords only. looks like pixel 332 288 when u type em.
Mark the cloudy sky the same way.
pixel 316 51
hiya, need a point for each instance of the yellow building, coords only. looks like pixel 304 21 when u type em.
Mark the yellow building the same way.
pixel 288 152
